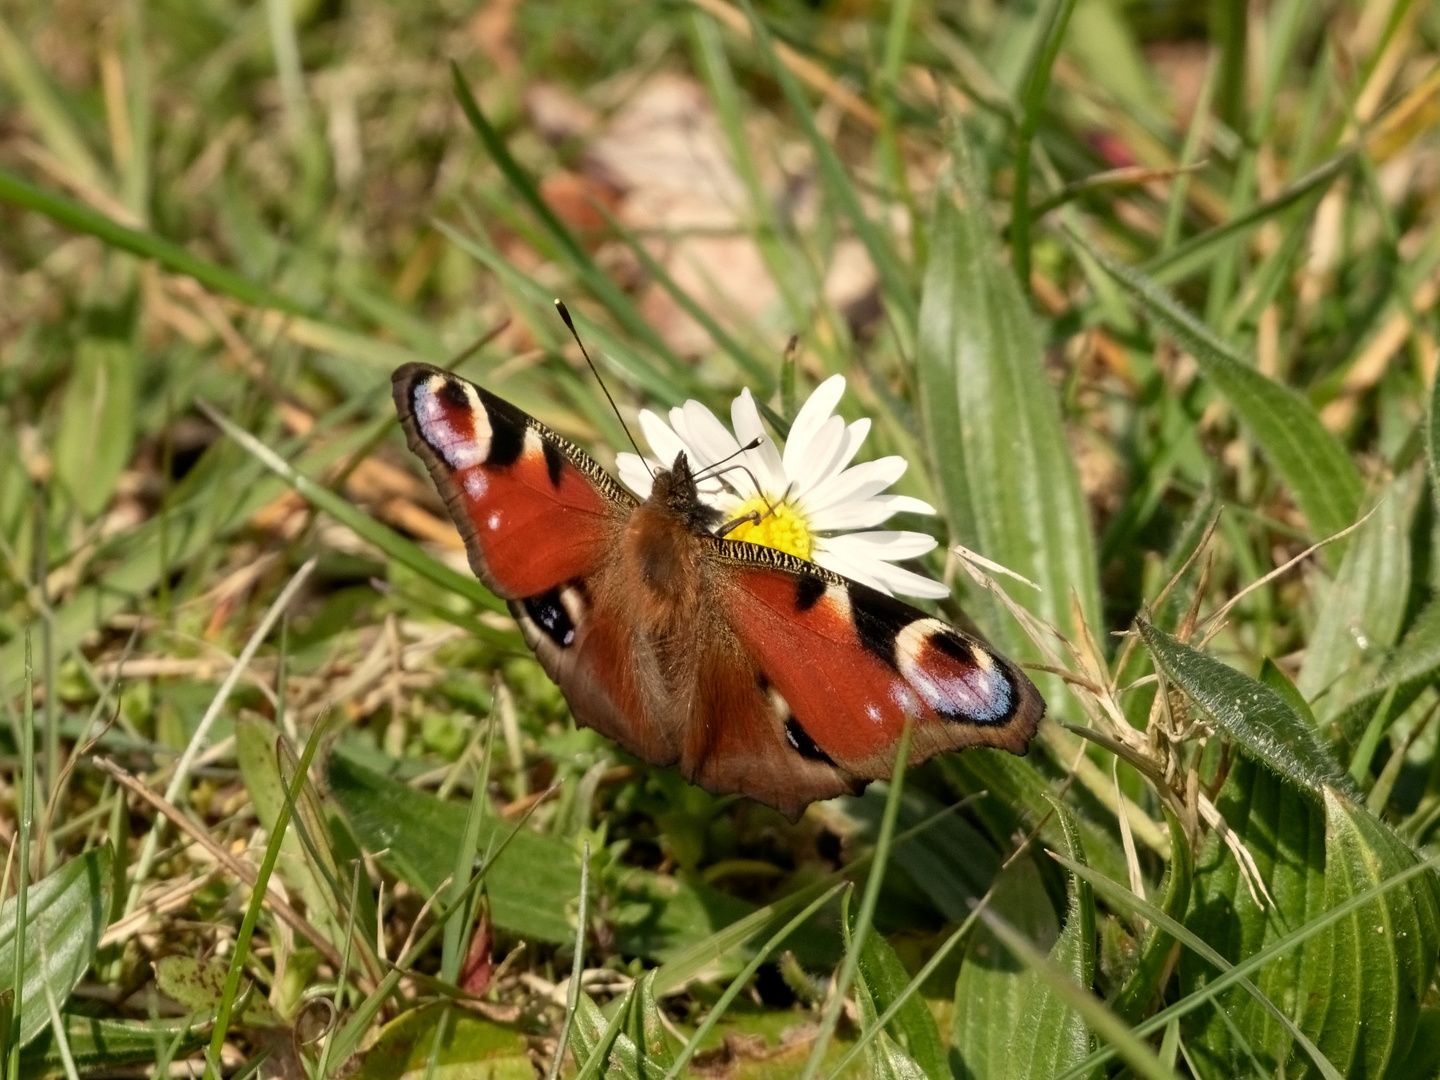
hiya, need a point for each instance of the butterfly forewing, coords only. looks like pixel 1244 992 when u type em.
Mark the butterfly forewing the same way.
pixel 535 512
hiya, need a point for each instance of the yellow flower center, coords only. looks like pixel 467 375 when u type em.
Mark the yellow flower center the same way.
pixel 784 529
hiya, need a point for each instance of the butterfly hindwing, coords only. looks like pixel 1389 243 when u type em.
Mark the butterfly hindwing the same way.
pixel 534 511
pixel 848 663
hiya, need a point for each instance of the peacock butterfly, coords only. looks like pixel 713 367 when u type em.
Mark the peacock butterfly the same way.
pixel 750 669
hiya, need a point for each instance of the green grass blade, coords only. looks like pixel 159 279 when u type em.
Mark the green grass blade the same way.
pixel 742 980
pixel 1036 82
pixel 896 277
pixel 576 968
pixel 257 901
pixel 80 218
pixel 403 551
pixel 618 304
pixel 864 919
pixel 1311 461
pixel 1184 259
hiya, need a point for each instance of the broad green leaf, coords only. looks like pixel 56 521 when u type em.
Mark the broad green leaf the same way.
pixel 199 985
pixel 1389 947
pixel 1423 1060
pixel 1362 609
pixel 646 1029
pixel 455 1041
pixel 1056 1036
pixel 97 422
pixel 1354 988
pixel 993 983
pixel 1285 835
pixel 1006 476
pixel 910 1043
pixel 591 1031
pixel 1017 798
pixel 1122 898
pixel 97 1045
pixel 1307 457
pixel 67 911
pixel 1248 711
pixel 1272 676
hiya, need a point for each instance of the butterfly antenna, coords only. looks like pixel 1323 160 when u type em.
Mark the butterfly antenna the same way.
pixel 719 468
pixel 570 325
pixel 751 445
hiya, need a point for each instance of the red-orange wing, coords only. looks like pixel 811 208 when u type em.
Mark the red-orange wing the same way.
pixel 846 664
pixel 534 510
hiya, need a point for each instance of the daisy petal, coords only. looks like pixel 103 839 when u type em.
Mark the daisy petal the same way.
pixel 898 579
pixel 665 443
pixel 849 515
pixel 764 459
pixel 854 569
pixel 817 409
pixel 854 436
pixel 905 504
pixel 857 483
pixel 712 442
pixel 816 466
pixel 633 474
pixel 887 544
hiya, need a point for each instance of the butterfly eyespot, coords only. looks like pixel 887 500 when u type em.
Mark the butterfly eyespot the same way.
pixel 959 680
pixel 451 421
pixel 799 740
pixel 552 614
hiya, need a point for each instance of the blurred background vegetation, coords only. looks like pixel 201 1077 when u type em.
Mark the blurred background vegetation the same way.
pixel 1145 291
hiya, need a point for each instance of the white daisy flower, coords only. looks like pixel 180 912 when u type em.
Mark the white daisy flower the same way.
pixel 819 499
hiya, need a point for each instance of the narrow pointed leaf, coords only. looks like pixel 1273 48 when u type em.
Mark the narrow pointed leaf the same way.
pixel 1248 711
pixel 1360 616
pixel 97 422
pixel 1308 458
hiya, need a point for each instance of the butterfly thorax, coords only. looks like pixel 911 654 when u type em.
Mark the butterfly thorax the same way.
pixel 661 539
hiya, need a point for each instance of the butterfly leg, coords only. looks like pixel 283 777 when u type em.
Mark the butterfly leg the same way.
pixel 752 518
